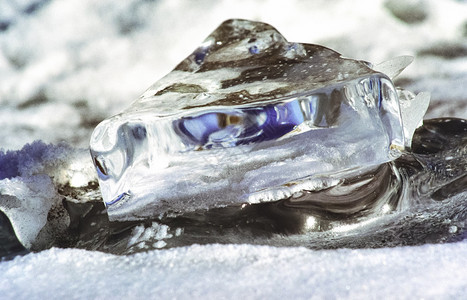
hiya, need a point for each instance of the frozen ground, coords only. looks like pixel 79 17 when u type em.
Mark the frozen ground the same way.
pixel 66 65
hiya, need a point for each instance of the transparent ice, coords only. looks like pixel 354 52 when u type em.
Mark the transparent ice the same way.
pixel 249 117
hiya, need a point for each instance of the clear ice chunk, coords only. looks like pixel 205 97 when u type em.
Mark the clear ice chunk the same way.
pixel 247 117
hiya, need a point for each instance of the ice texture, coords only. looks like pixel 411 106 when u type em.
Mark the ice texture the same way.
pixel 27 203
pixel 248 117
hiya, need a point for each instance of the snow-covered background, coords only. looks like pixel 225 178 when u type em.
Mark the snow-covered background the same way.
pixel 65 65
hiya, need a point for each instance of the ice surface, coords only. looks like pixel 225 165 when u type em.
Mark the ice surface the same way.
pixel 27 203
pixel 243 119
pixel 418 198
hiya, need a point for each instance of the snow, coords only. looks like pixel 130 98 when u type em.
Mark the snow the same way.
pixel 66 65
pixel 240 271
pixel 28 181
pixel 102 55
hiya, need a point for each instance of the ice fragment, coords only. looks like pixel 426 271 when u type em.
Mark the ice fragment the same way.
pixel 394 67
pixel 247 117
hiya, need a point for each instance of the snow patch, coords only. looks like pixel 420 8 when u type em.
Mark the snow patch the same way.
pixel 29 179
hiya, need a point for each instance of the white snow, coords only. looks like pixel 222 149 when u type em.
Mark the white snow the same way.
pixel 240 272
pixel 82 60
pixel 29 179
pixel 141 235
pixel 72 63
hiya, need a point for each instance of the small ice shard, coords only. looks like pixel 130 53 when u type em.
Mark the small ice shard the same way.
pixel 413 108
pixel 393 67
pixel 247 117
pixel 27 202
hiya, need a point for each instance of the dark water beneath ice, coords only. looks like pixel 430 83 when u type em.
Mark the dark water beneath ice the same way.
pixel 419 198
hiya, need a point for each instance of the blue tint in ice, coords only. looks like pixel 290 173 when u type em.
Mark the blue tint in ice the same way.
pixel 251 124
pixel 248 118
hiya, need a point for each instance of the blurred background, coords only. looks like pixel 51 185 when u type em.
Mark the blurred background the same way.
pixel 65 65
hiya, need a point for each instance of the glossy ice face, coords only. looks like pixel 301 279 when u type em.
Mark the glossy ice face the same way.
pixel 248 117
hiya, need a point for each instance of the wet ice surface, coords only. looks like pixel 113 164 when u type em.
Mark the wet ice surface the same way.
pixel 419 198
pixel 415 199
pixel 47 75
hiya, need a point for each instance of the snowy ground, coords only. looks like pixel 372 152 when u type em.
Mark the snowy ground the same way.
pixel 66 65
pixel 241 272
